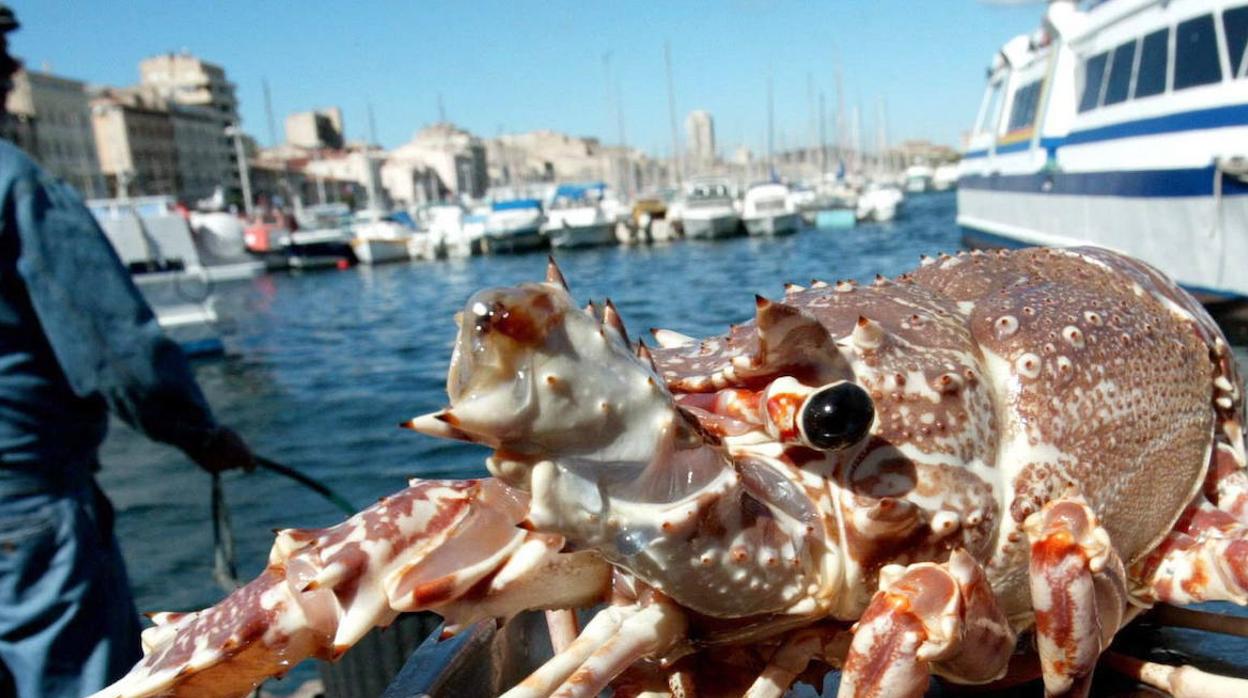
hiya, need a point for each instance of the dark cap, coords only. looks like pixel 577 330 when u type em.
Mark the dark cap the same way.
pixel 8 20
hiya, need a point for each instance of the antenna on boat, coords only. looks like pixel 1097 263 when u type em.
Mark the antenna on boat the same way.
pixel 373 198
pixel 671 113
pixel 840 113
pixel 771 163
pixel 813 133
pixel 268 111
pixel 823 140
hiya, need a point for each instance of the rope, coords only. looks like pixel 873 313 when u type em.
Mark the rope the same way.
pixel 223 567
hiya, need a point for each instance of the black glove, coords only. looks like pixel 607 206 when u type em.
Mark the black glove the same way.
pixel 224 450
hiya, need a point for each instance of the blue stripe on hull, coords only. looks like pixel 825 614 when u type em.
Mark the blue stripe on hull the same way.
pixel 976 238
pixel 1196 120
pixel 1198 181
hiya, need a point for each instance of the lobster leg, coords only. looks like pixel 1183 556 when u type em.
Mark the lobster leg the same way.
pixel 789 661
pixel 611 642
pixel 928 618
pixel 1078 590
pixel 1226 485
pixel 1178 681
pixel 448 546
pixel 1204 559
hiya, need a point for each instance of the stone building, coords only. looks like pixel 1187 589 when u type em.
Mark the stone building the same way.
pixel 139 132
pixel 700 140
pixel 444 160
pixel 50 118
pixel 134 141
pixel 320 128
pixel 187 80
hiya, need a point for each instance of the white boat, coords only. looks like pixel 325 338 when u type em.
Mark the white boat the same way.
pixel 918 178
pixel 879 203
pixel 378 237
pixel 767 209
pixel 708 212
pixel 1124 125
pixel 453 230
pixel 575 217
pixel 945 177
pixel 514 225
pixel 155 244
pixel 220 241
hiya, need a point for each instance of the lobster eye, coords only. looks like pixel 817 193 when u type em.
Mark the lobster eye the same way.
pixel 836 416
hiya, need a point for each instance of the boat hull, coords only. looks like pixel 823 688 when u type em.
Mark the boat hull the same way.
pixel 1203 260
pixel 711 227
pixel 514 241
pixel 593 235
pixel 831 219
pixel 375 251
pixel 780 224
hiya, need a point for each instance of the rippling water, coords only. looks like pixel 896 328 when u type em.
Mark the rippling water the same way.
pixel 321 367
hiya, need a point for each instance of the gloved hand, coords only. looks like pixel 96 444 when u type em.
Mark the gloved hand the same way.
pixel 224 450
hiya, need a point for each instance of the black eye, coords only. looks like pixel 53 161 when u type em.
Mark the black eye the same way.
pixel 837 416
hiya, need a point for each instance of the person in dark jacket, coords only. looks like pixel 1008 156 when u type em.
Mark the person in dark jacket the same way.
pixel 77 341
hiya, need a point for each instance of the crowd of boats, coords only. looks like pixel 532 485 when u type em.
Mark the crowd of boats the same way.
pixel 176 255
pixel 524 218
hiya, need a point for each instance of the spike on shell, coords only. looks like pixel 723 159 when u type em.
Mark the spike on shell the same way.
pixel 611 318
pixel 867 334
pixel 643 353
pixel 554 276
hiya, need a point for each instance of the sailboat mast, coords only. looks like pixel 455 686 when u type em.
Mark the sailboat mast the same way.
pixel 823 139
pixel 671 113
pixel 771 164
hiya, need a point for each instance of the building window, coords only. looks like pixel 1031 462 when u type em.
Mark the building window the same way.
pixel 1093 76
pixel 1150 79
pixel 1196 59
pixel 1235 26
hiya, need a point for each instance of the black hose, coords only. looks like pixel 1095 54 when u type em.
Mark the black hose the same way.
pixel 317 487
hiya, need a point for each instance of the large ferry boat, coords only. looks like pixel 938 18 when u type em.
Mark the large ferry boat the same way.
pixel 1124 124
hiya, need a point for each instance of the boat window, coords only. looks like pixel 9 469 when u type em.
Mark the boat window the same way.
pixel 1120 74
pixel 993 113
pixel 1235 26
pixel 1196 59
pixel 1023 110
pixel 1150 79
pixel 1093 76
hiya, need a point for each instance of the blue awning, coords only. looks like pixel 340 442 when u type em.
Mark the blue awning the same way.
pixel 515 204
pixel 579 191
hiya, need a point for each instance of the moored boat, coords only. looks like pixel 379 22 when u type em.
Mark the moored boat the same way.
pixel 514 225
pixel 155 244
pixel 918 178
pixel 879 203
pixel 767 209
pixel 575 217
pixel 707 212
pixel 1124 125
pixel 379 237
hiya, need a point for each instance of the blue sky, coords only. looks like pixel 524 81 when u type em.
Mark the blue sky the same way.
pixel 520 65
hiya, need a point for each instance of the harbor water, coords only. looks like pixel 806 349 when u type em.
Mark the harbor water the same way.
pixel 322 367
